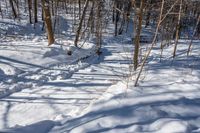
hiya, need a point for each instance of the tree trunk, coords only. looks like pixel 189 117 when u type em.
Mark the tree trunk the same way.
pixel 117 14
pixel 80 23
pixel 98 28
pixel 35 11
pixel 152 44
pixel 137 36
pixel 1 11
pixel 177 29
pixel 48 23
pixel 29 10
pixel 79 9
pixel 13 9
pixel 194 32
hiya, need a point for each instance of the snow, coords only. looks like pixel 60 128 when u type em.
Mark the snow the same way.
pixel 46 125
pixel 46 89
pixel 167 100
pixel 55 85
pixel 27 60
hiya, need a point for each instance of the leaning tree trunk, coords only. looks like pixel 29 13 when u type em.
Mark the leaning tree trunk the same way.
pixel 48 23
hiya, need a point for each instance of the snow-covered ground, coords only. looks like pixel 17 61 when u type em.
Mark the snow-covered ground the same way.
pixel 44 83
pixel 166 101
pixel 26 63
pixel 42 89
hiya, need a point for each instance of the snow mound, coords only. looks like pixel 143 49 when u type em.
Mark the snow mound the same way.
pixel 54 51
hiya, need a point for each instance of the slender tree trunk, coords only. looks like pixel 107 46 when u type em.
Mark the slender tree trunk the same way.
pixel 48 23
pixel 113 12
pixel 1 11
pixel 79 9
pixel 35 11
pixel 80 23
pixel 121 29
pixel 98 28
pixel 13 9
pixel 147 19
pixel 92 18
pixel 177 29
pixel 194 32
pixel 137 36
pixel 29 10
pixel 152 44
pixel 116 18
pixel 52 7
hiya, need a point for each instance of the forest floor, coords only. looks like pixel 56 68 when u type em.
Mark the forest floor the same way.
pixel 44 83
pixel 167 99
pixel 42 89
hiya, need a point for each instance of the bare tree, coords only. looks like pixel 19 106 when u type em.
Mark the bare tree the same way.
pixel 80 23
pixel 152 44
pixel 177 29
pixel 194 32
pixel 13 9
pixel 35 10
pixel 137 34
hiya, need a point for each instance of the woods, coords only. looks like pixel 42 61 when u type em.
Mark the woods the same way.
pixel 91 18
pixel 89 66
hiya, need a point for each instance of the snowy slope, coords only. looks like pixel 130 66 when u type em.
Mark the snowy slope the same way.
pixel 167 100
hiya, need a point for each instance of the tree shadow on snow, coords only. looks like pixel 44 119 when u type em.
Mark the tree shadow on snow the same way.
pixel 140 115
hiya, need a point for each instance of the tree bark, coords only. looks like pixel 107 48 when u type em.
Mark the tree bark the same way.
pixel 98 28
pixel 80 23
pixel 194 32
pixel 177 29
pixel 29 10
pixel 35 11
pixel 48 23
pixel 152 44
pixel 137 36
pixel 13 9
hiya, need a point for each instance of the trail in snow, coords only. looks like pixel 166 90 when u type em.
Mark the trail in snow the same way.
pixel 61 98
